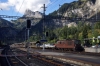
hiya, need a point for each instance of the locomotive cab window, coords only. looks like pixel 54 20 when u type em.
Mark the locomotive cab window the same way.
pixel 77 42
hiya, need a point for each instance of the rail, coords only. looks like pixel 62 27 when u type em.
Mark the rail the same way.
pixel 8 62
pixel 6 57
pixel 19 59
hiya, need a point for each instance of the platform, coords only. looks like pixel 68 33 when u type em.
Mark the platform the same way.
pixel 86 58
pixel 97 50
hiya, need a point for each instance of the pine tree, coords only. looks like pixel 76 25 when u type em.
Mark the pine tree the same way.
pixel 85 32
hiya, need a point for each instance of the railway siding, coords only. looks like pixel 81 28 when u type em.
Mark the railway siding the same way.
pixel 69 59
pixel 73 61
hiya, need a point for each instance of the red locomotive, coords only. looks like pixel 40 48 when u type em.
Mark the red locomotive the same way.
pixel 73 45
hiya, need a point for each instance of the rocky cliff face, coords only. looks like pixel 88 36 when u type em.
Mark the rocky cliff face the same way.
pixel 22 23
pixel 29 13
pixel 85 9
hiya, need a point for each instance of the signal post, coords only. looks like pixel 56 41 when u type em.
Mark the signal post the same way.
pixel 27 44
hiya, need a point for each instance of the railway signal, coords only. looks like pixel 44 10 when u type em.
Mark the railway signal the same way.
pixel 28 27
pixel 46 34
pixel 28 24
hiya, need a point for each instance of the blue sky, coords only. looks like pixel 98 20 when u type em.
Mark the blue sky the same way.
pixel 18 7
pixel 56 4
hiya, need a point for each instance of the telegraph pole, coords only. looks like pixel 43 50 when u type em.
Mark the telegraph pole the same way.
pixel 44 9
pixel 59 11
pixel 58 16
pixel 43 38
pixel 96 13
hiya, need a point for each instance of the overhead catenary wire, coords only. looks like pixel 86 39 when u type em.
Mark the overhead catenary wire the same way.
pixel 12 10
pixel 4 13
pixel 12 13
pixel 55 4
pixel 52 5
pixel 20 8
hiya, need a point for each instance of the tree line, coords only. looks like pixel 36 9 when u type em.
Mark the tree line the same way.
pixel 82 31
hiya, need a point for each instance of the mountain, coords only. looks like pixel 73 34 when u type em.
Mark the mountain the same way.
pixel 87 9
pixel 80 8
pixel 29 13
pixel 7 31
pixel 21 24
pixel 5 23
pixel 22 21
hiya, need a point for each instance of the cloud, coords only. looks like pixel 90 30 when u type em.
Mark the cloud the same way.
pixel 21 5
pixel 4 6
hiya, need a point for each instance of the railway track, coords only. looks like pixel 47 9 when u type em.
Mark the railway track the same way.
pixel 8 58
pixel 34 60
pixel 15 61
pixel 73 52
pixel 67 51
pixel 43 60
pixel 4 59
pixel 77 61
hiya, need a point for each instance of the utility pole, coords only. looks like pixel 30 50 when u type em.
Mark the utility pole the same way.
pixel 58 15
pixel 44 9
pixel 27 44
pixel 96 13
pixel 43 38
pixel 59 11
